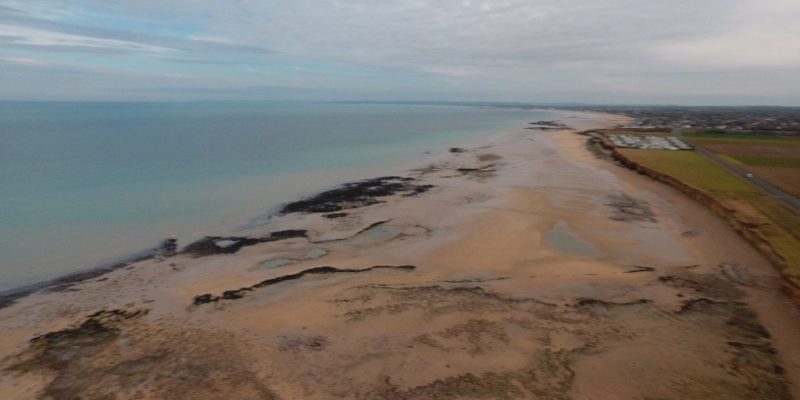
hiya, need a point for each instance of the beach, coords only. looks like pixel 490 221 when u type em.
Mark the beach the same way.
pixel 518 265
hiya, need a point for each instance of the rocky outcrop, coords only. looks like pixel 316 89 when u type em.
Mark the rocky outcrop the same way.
pixel 356 195
pixel 325 270
pixel 211 245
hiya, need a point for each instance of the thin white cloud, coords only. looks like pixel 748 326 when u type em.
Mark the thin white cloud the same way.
pixel 609 50
pixel 21 61
pixel 37 37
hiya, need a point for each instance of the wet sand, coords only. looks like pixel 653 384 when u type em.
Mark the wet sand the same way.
pixel 524 268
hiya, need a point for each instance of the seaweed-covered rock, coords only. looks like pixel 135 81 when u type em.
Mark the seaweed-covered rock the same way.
pixel 239 293
pixel 210 245
pixel 355 194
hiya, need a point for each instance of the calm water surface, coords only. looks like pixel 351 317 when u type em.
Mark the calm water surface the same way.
pixel 83 183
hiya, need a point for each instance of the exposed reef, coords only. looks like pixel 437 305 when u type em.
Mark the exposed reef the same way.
pixel 547 126
pixel 639 268
pixel 114 354
pixel 211 245
pixel 355 195
pixel 627 209
pixel 335 215
pixel 100 324
pixel 66 353
pixel 239 293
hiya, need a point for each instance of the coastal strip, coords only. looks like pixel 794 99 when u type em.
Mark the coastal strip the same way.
pixel 740 222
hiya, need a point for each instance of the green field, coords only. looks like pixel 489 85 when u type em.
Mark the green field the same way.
pixel 766 161
pixel 772 221
pixel 692 168
pixel 740 135
pixel 774 158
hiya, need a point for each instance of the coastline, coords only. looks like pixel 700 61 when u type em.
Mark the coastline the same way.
pixel 241 161
pixel 165 249
pixel 467 285
pixel 244 223
pixel 744 228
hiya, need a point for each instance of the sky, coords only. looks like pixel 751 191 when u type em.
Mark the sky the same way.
pixel 694 52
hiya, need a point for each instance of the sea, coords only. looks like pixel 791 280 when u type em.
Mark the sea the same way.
pixel 83 184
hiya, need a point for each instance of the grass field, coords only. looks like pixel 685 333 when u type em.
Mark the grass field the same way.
pixel 772 221
pixel 766 161
pixel 771 157
pixel 784 178
pixel 746 135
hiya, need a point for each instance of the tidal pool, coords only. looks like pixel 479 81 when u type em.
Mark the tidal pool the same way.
pixel 562 239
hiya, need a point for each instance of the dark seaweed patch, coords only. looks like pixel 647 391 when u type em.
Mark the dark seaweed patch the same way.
pixel 547 125
pixel 639 268
pixel 627 209
pixel 100 324
pixel 355 195
pixel 239 293
pixel 210 245
pixel 336 215
pixel 584 303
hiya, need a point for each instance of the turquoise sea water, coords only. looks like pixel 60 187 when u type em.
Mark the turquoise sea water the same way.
pixel 82 183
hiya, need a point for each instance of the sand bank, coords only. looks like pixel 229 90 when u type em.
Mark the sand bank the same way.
pixel 517 267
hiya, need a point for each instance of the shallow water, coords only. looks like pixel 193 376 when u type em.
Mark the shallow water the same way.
pixel 560 238
pixel 81 183
pixel 315 253
pixel 277 262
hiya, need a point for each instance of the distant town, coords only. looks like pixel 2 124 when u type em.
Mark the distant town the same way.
pixel 783 120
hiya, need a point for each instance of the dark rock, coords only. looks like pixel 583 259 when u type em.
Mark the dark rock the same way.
pixel 602 303
pixel 169 247
pixel 547 125
pixel 419 190
pixel 628 209
pixel 203 299
pixel 239 293
pixel 101 323
pixel 210 245
pixel 639 268
pixel 354 195
pixel 336 215
pixel 286 234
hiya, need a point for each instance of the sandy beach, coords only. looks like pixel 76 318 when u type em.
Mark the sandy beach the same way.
pixel 520 266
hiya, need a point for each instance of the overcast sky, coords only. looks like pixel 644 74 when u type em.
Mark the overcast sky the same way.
pixel 599 51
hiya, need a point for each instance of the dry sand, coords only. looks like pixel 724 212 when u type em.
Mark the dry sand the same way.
pixel 539 272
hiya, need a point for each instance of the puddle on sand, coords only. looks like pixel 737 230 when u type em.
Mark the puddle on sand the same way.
pixel 561 239
pixel 312 254
pixel 316 253
pixel 276 262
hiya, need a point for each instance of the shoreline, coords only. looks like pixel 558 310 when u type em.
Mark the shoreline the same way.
pixel 468 275
pixel 401 166
pixel 10 296
pixel 220 185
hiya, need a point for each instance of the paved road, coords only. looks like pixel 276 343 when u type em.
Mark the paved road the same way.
pixel 788 200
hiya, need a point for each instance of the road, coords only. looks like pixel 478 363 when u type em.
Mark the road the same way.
pixel 792 202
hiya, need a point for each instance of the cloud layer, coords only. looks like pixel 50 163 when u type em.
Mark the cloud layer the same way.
pixel 611 51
